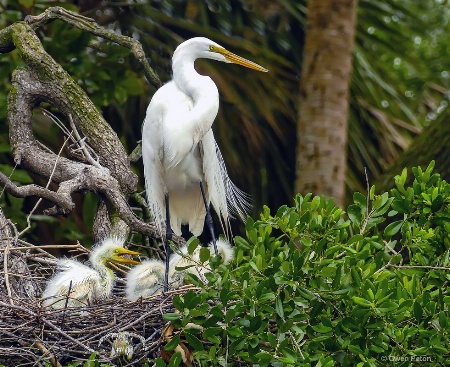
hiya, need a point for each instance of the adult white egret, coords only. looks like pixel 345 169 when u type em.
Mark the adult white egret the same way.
pixel 145 279
pixel 179 150
pixel 78 284
pixel 192 263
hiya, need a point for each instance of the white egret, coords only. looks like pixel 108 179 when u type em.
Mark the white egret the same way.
pixel 78 284
pixel 145 279
pixel 192 263
pixel 179 150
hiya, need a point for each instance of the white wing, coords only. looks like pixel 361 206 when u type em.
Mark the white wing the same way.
pixel 152 156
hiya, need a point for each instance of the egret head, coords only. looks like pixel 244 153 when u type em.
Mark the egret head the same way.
pixel 111 249
pixel 201 47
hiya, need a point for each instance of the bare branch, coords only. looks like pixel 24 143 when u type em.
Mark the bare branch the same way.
pixel 89 25
pixel 66 206
pixel 46 80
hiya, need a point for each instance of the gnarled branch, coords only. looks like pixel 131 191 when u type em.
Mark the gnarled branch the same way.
pixel 46 80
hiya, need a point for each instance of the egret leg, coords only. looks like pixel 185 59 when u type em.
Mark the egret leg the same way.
pixel 167 244
pixel 208 219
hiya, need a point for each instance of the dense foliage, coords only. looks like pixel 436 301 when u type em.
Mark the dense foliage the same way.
pixel 312 285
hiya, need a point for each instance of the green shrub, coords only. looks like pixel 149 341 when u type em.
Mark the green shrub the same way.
pixel 313 285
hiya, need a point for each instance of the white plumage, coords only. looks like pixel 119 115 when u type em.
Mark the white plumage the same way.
pixel 178 146
pixel 183 259
pixel 145 279
pixel 86 284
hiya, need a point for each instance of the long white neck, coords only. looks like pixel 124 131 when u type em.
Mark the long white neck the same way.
pixel 201 89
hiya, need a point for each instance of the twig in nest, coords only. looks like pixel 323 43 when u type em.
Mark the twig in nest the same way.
pixel 48 354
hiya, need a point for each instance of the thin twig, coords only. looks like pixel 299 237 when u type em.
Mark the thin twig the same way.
pixel 48 184
pixel 5 267
pixel 85 147
pixel 48 354
pixel 366 219
pixel 76 247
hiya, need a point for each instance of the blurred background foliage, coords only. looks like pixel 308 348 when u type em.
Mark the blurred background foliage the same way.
pixel 399 86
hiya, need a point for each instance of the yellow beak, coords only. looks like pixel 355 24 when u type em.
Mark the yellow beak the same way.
pixel 235 59
pixel 123 260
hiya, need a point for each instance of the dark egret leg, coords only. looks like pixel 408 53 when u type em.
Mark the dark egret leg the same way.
pixel 167 244
pixel 209 221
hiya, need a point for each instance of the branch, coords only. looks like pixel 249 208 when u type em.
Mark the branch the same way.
pixel 89 25
pixel 66 206
pixel 46 80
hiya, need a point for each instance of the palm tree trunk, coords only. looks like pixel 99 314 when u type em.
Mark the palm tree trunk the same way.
pixel 324 98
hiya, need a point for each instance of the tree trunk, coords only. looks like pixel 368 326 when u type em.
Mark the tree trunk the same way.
pixel 324 98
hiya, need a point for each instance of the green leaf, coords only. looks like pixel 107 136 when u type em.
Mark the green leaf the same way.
pixel 356 238
pixel 267 297
pixel 393 228
pixel 417 309
pixel 212 331
pixel 263 357
pixel 360 199
pixel 193 341
pixel 380 201
pixel 354 214
pixel 322 328
pixel 279 307
pixel 355 349
pixel 238 344
pixel 171 316
pixel 178 302
pixel 437 203
pixel 362 301
pixel 204 254
pixel 173 343
pixel 290 354
pixel 160 362
pixel 372 192
pixel 175 360
pixel 192 244
pixel 91 362
pixel 242 243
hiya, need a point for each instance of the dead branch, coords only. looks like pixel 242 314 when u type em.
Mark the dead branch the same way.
pixel 66 206
pixel 45 80
pixel 89 25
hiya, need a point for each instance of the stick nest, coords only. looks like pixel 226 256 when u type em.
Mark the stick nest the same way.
pixel 123 333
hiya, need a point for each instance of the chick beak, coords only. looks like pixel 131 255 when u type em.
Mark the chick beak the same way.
pixel 123 260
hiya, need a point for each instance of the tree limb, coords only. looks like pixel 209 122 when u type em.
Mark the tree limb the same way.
pixel 89 25
pixel 66 206
pixel 46 80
